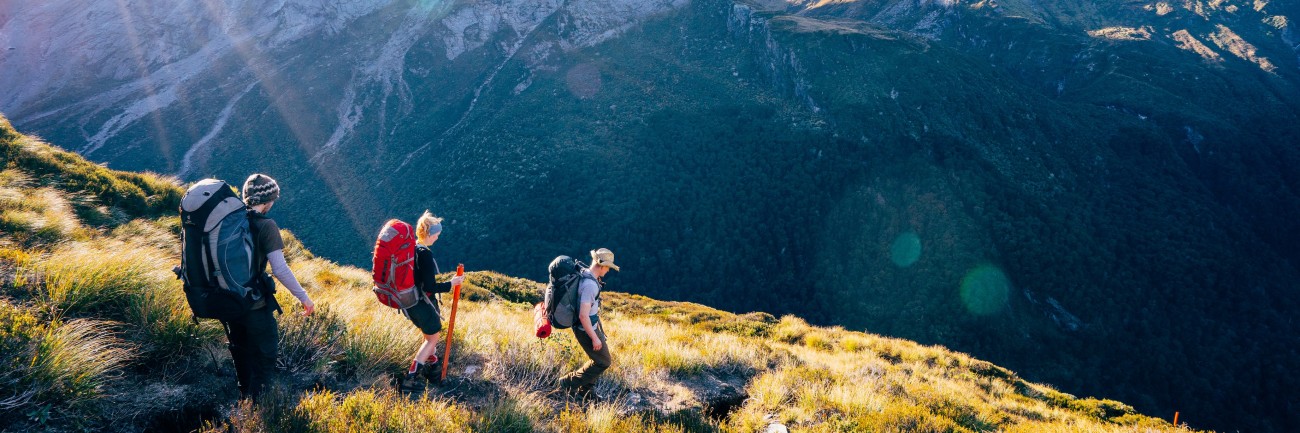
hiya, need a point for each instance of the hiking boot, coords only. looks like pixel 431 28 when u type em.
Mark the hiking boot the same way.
pixel 411 382
pixel 431 371
pixel 584 393
pixel 562 390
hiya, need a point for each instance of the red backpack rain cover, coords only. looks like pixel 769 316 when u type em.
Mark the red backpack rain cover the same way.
pixel 394 265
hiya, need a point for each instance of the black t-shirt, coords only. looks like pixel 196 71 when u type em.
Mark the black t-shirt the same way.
pixel 426 272
pixel 266 238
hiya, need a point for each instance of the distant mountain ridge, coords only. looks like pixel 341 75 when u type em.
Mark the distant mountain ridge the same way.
pixel 1124 166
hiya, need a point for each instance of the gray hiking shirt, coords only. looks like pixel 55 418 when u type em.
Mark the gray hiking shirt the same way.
pixel 588 290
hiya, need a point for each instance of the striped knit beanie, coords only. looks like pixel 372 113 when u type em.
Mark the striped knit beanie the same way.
pixel 260 188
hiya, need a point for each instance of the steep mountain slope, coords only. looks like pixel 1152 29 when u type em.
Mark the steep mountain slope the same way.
pixel 96 336
pixel 1059 187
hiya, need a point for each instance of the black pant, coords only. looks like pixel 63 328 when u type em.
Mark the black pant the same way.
pixel 254 344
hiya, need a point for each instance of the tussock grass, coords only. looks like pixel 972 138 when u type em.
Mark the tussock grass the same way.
pixel 684 351
pixel 160 320
pixel 309 344
pixel 20 330
pixel 138 194
pixel 72 362
pixel 379 411
pixel 606 418
pixel 499 334
pixel 83 278
pixel 36 216
pixel 511 415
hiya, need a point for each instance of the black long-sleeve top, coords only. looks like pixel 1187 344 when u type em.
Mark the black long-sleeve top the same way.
pixel 426 272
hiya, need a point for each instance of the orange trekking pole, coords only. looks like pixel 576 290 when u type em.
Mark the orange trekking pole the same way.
pixel 451 323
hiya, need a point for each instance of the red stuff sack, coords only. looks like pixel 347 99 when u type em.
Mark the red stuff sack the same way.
pixel 394 265
pixel 539 321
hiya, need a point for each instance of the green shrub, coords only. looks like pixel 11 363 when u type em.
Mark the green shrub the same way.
pixel 511 289
pixel 310 343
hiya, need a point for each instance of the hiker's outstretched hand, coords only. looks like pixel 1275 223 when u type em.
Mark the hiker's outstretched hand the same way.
pixel 455 281
pixel 308 307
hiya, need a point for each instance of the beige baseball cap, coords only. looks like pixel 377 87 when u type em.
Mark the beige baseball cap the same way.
pixel 603 257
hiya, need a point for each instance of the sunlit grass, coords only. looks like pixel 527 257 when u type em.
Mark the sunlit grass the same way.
pixel 379 411
pixel 80 278
pixel 71 362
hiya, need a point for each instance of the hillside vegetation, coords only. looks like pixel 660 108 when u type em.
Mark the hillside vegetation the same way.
pixel 95 336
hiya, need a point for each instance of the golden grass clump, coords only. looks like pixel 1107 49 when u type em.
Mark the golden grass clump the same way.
pixel 36 216
pixel 380 410
pixel 82 278
pixel 605 418
pixel 72 361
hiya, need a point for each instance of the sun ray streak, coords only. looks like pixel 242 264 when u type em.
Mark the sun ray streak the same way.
pixel 133 35
pixel 284 99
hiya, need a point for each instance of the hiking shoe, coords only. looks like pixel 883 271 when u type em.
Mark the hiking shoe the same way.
pixel 562 390
pixel 431 371
pixel 584 393
pixel 411 382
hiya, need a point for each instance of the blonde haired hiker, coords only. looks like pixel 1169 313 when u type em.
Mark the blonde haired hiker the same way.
pixel 591 331
pixel 426 314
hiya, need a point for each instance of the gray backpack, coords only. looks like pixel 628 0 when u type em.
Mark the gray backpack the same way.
pixel 217 252
pixel 562 291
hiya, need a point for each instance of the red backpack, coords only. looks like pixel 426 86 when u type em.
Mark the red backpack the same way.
pixel 394 265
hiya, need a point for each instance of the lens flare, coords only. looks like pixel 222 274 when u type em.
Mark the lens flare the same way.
pixel 906 249
pixel 984 290
pixel 583 80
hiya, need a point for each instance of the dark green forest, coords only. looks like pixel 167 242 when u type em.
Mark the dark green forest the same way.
pixel 1136 266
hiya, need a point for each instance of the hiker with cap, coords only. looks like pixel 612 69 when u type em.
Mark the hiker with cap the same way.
pixel 254 338
pixel 426 314
pixel 591 333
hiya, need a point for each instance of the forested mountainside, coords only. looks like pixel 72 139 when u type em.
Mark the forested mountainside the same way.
pixel 96 336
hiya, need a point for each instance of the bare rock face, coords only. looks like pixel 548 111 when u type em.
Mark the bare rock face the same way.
pixel 90 44
pixel 105 66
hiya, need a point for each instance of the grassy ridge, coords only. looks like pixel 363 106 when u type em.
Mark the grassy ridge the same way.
pixel 93 329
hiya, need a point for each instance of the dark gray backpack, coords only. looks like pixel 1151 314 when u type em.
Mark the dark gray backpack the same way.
pixel 562 291
pixel 217 252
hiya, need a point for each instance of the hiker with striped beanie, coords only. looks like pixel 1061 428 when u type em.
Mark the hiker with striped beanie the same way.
pixel 254 337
